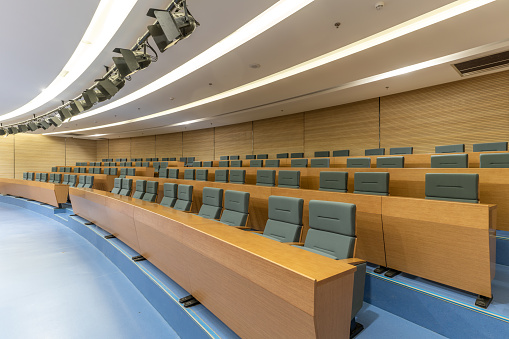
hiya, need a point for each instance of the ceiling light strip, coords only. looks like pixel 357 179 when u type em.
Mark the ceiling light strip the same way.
pixel 269 18
pixel 108 17
pixel 422 21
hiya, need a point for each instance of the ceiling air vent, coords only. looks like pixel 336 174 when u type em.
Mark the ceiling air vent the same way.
pixel 484 64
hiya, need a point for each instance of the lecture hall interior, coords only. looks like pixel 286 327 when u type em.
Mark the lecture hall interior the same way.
pixel 254 169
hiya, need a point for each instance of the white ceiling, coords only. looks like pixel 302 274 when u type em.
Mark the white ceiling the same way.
pixel 307 34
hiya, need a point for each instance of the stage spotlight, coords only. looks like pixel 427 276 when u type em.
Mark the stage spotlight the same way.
pixel 23 128
pixel 43 124
pixel 12 130
pixel 111 85
pixel 64 113
pixel 90 97
pixel 3 132
pixel 171 27
pixel 32 126
pixel 76 107
pixel 131 62
pixel 55 121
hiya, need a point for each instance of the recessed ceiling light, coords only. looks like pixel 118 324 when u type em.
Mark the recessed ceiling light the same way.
pixel 255 66
pixel 108 17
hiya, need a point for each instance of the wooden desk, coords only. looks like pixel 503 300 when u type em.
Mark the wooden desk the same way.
pixel 48 193
pixel 452 243
pixel 370 244
pixel 258 287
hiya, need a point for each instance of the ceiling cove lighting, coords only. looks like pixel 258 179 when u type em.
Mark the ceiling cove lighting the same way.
pixel 425 20
pixel 272 16
pixel 108 17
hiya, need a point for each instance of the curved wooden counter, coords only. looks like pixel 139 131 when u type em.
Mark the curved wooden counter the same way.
pixel 48 193
pixel 260 288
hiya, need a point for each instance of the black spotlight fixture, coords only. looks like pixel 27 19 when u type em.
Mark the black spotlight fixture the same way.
pixel 64 113
pixel 44 124
pixel 90 97
pixel 110 86
pixel 2 131
pixel 76 107
pixel 55 121
pixel 22 128
pixel 12 130
pixel 131 61
pixel 170 27
pixel 32 126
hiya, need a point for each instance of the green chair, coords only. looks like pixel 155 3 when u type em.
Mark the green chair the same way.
pixel 189 174
pixel 334 181
pixel 221 175
pixel 272 163
pixel 256 163
pixel 320 163
pixel 373 183
pixel 461 187
pixel 449 161
pixel 236 206
pixel 266 178
pixel 299 163
pixel 212 203
pixel 184 198
pixel 285 219
pixel 358 163
pixel 151 191
pixel 127 185
pixel 238 176
pixel 459 148
pixel 401 150
pixel 495 160
pixel 169 194
pixel 288 179
pixel 139 191
pixel 202 175
pixel 173 173
pixel 390 162
pixel 341 153
pixel 117 186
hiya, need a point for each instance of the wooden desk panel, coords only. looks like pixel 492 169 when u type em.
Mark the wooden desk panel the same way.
pixel 441 241
pixel 370 244
pixel 48 193
pixel 278 291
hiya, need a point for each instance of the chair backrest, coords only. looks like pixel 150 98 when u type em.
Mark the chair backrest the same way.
pixel 163 164
pixel 127 185
pixel 51 177
pixel 145 164
pixel 173 173
pixel 123 172
pixel 262 156
pixel 462 187
pixel 256 163
pixel 73 180
pixel 128 164
pixel 156 165
pixel 202 174
pixel 54 169
pixel 281 155
pixel 184 198
pixel 266 178
pixel 490 147
pixel 68 169
pixel 331 229
pixel 390 162
pixel 44 177
pixel 272 163
pixel 401 150
pixel 82 181
pixel 238 176
pixel 358 163
pixel 139 191
pixel 221 176
pixel 212 199
pixel 460 148
pixel 334 181
pixel 296 155
pixel 58 178
pixel 151 191
pixel 37 176
pixel 207 164
pixel 236 206
pixel 66 179
pixel 89 181
pixel 234 157
pixel 285 219
pixel 173 159
pixel 183 159
pixel 299 163
pixel 61 169
pixel 76 170
pixel 288 179
pixel 224 163
pixel 163 173
pixel 138 164
pixel 322 154
pixel 321 163
pixel 117 186
pixel 374 183
pixel 197 164
pixel 224 157
pixel 250 156
pixel 169 194
pixel 494 160
pixel 131 172
pixel 449 161
pixel 25 176
pixel 374 151
pixel 236 163
pixel 189 174
pixel 341 153
pixel 83 170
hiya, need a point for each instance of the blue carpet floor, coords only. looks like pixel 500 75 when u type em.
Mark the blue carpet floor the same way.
pixel 55 284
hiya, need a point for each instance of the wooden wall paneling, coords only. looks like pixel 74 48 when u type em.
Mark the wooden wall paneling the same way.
pixel 199 144
pixel 352 126
pixel 143 147
pixel 7 157
pixel 234 140
pixel 279 135
pixel 120 148
pixel 34 152
pixel 469 111
pixel 102 150
pixel 79 150
pixel 169 145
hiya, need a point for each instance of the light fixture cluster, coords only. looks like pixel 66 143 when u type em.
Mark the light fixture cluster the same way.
pixel 172 25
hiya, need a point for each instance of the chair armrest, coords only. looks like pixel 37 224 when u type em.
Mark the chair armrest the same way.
pixel 242 227
pixel 260 232
pixel 353 261
pixel 295 243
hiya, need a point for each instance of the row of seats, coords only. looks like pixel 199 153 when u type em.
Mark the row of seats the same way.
pixel 86 181
pixel 124 172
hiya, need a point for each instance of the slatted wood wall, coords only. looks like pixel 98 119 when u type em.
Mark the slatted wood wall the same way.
pixel 79 150
pixel 279 135
pixel 102 150
pixel 169 145
pixel 199 144
pixel 143 147
pixel 37 153
pixel 119 148
pixel 7 157
pixel 234 140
